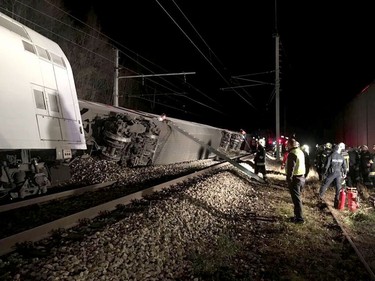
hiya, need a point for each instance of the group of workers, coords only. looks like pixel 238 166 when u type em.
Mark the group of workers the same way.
pixel 359 163
pixel 335 164
pixel 344 167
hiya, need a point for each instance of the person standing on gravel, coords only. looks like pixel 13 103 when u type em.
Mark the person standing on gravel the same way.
pixel 335 171
pixel 295 177
pixel 260 159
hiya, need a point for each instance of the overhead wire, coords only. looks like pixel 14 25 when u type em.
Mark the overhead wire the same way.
pixel 201 103
pixel 199 35
pixel 196 31
pixel 109 38
pixel 209 48
pixel 68 40
pixel 204 56
pixel 211 51
pixel 130 57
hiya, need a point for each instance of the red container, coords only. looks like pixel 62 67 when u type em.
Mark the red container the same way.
pixel 352 199
pixel 342 199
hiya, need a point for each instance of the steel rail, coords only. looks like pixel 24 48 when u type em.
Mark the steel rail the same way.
pixel 8 244
pixel 73 192
pixel 358 252
pixel 54 196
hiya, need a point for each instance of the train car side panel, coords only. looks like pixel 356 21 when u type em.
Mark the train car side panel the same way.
pixel 371 117
pixel 40 123
pixel 178 148
pixel 138 138
pixel 39 104
pixel 355 126
pixel 18 127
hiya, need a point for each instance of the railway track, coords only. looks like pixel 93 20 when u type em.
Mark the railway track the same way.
pixel 352 244
pixel 74 191
pixel 8 244
pixel 254 219
pixel 55 196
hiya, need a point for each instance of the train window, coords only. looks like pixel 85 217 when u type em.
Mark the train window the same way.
pixel 14 27
pixel 39 99
pixel 43 53
pixel 28 47
pixel 53 104
pixel 58 60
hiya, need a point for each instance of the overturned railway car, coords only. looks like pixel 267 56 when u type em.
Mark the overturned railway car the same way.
pixel 136 138
pixel 44 125
pixel 355 125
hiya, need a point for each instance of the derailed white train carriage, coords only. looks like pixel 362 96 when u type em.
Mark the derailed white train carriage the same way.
pixel 39 109
pixel 136 138
pixel 355 125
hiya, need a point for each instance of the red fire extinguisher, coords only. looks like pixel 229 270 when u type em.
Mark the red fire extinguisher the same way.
pixel 342 199
pixel 352 199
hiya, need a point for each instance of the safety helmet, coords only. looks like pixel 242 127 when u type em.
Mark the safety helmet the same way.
pixel 305 148
pixel 262 142
pixel 342 146
pixel 292 143
pixel 328 145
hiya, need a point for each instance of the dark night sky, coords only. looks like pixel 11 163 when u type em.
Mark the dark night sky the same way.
pixel 326 56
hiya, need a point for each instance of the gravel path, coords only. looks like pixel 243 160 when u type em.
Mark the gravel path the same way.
pixel 219 227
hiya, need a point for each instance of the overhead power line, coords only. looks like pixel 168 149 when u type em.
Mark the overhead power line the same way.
pixel 156 75
pixel 217 71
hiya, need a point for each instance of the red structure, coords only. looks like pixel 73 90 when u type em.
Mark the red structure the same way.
pixel 352 199
pixel 342 199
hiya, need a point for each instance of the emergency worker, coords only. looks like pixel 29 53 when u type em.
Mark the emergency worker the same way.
pixel 318 151
pixel 372 172
pixel 306 151
pixel 285 156
pixel 335 170
pixel 322 159
pixel 295 177
pixel 260 159
pixel 353 175
pixel 244 143
pixel 344 154
pixel 253 145
pixel 365 164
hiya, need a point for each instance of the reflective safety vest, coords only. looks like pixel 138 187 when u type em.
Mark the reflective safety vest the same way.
pixel 300 168
pixel 345 154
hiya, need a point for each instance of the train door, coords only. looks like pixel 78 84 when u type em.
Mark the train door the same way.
pixel 47 102
pixel 48 113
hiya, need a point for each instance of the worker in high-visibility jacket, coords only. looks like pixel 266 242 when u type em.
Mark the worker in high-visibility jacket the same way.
pixel 295 175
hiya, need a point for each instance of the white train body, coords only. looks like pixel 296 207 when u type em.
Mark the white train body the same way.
pixel 39 111
pixel 38 101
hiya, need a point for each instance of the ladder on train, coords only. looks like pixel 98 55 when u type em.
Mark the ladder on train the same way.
pixel 215 151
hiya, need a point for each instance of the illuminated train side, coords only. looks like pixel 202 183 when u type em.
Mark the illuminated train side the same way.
pixel 355 125
pixel 44 125
pixel 39 110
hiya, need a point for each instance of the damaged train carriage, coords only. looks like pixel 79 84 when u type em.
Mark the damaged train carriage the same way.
pixel 136 138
